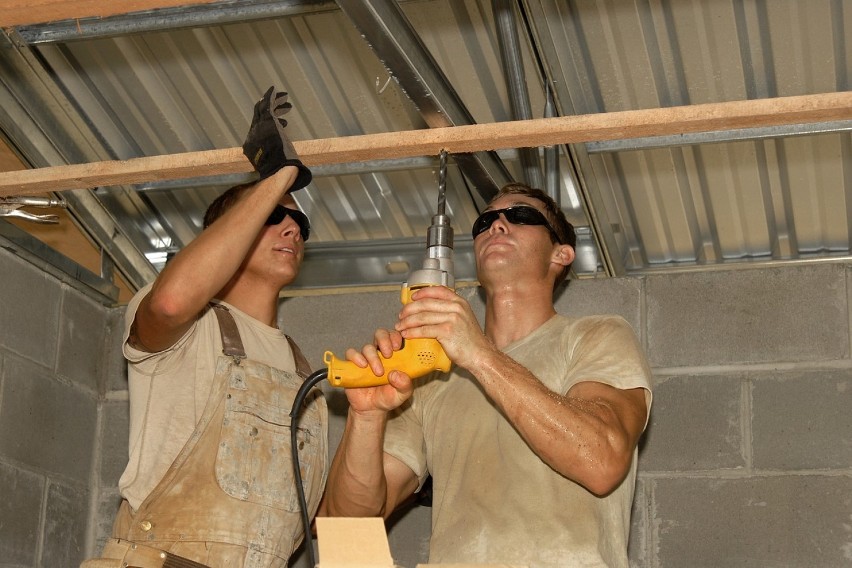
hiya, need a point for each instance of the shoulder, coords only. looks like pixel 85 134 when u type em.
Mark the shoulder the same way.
pixel 597 321
pixel 598 327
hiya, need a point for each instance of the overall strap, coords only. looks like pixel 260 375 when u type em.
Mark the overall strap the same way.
pixel 232 345
pixel 303 368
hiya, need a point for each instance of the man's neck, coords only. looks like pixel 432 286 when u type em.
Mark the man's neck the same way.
pixel 261 304
pixel 512 312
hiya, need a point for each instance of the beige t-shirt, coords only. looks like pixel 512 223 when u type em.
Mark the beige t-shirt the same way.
pixel 169 390
pixel 495 501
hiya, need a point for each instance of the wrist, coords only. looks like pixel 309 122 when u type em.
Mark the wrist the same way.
pixel 485 357
pixel 371 417
pixel 303 175
pixel 285 176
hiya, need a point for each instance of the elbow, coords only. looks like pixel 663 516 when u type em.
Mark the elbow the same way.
pixel 606 480
pixel 348 497
pixel 160 321
pixel 164 306
pixel 611 467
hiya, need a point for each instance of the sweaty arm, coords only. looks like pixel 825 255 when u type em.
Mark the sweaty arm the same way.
pixel 363 480
pixel 198 272
pixel 588 435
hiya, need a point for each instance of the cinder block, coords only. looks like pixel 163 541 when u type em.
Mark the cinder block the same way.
pixel 336 322
pixel 64 526
pixel 29 310
pixel 748 316
pixel 637 545
pixel 802 420
pixel 116 365
pixel 696 424
pixel 618 296
pixel 20 510
pixel 114 442
pixel 107 507
pixel 46 424
pixel 82 328
pixel 753 523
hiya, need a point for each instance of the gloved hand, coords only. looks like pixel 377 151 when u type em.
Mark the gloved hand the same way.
pixel 267 146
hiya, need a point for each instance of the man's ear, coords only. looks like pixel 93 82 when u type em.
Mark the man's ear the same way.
pixel 563 255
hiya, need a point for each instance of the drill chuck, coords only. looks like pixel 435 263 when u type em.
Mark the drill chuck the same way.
pixel 437 267
pixel 440 232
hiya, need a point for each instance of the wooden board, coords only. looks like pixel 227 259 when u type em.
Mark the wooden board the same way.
pixel 28 12
pixel 459 139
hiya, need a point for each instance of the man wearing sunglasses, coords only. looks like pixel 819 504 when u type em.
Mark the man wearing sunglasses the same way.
pixel 211 377
pixel 531 439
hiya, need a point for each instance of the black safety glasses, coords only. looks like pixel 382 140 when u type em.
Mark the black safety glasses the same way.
pixel 300 218
pixel 517 215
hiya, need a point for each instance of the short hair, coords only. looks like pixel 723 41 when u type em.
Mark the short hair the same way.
pixel 221 204
pixel 564 230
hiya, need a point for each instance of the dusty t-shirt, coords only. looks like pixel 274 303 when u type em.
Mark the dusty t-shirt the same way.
pixel 169 390
pixel 494 501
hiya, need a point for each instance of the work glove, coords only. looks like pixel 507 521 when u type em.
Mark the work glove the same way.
pixel 267 146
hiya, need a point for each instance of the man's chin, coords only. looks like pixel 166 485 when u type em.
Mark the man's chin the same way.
pixel 285 276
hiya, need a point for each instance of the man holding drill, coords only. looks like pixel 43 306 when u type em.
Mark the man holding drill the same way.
pixel 211 380
pixel 531 440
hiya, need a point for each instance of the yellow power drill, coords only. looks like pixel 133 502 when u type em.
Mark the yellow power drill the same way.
pixel 417 357
pixel 420 356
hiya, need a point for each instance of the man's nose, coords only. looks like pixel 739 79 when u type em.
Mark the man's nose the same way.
pixel 500 223
pixel 290 228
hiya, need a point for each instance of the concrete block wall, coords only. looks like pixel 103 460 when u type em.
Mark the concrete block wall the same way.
pixel 53 341
pixel 748 458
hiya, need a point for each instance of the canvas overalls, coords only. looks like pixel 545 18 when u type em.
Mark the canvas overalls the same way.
pixel 230 495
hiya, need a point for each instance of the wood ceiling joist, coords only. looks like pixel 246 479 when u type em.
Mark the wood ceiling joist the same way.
pixel 780 111
pixel 31 12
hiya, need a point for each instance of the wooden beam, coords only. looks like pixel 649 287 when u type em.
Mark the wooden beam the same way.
pixel 458 139
pixel 29 12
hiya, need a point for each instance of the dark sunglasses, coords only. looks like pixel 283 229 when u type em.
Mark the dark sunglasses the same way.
pixel 516 215
pixel 280 212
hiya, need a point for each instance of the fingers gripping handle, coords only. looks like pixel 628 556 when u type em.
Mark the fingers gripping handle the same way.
pixel 417 357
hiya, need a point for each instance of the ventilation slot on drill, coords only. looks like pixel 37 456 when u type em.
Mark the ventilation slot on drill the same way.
pixel 426 358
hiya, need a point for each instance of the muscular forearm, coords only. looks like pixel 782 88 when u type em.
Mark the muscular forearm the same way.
pixel 356 481
pixel 585 440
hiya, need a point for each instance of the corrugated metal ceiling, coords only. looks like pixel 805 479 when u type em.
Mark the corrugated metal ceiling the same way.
pixel 174 81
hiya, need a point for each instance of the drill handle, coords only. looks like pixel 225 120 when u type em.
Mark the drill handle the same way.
pixel 417 357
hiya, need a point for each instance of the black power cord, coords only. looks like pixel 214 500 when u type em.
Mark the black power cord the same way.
pixel 312 380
